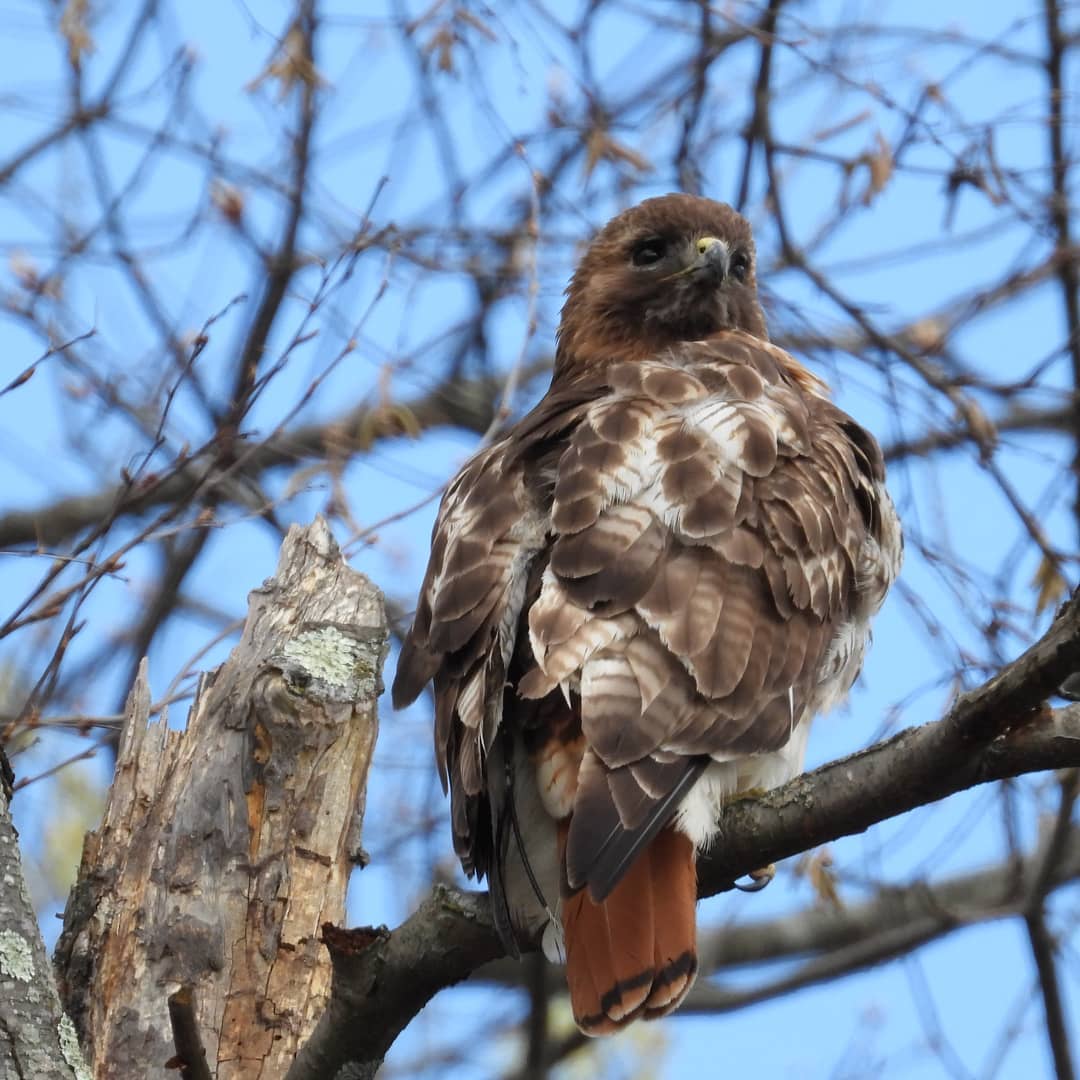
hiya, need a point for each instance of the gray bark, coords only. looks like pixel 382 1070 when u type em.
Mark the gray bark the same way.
pixel 37 1041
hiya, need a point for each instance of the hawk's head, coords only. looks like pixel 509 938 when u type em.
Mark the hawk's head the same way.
pixel 676 268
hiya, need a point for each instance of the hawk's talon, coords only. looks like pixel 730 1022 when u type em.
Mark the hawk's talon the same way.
pixel 758 879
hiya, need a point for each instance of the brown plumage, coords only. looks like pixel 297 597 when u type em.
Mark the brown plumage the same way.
pixel 637 600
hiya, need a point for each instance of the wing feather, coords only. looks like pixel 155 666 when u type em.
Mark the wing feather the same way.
pixel 659 564
pixel 753 481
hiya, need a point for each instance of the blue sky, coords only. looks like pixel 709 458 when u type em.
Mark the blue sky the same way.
pixel 368 131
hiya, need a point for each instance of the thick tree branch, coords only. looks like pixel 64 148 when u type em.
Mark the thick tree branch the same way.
pixel 382 980
pixel 840 940
pixel 989 734
pixel 996 731
pixel 894 923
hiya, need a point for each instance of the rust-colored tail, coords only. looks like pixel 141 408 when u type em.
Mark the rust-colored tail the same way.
pixel 635 954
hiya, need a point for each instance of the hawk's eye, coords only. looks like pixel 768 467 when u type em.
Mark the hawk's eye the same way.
pixel 648 252
pixel 740 265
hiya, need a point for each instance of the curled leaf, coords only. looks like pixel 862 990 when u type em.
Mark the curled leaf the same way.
pixel 75 31
pixel 1049 584
pixel 880 163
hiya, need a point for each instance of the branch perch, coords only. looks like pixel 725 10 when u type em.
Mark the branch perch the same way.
pixel 382 979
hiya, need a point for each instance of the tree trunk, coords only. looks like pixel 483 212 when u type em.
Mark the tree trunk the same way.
pixel 37 1041
pixel 226 846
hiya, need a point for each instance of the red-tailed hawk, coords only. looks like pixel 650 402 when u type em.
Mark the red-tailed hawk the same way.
pixel 637 600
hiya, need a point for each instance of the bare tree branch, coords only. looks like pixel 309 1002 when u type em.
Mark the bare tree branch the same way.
pixel 1059 206
pixel 390 298
pixel 467 404
pixel 381 978
pixel 1043 951
pixel 841 939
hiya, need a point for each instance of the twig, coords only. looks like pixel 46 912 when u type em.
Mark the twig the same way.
pixel 1057 45
pixel 190 1054
pixel 1042 951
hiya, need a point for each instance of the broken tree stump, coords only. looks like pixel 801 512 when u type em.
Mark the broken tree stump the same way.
pixel 225 847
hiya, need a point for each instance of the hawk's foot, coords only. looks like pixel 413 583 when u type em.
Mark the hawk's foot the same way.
pixel 758 879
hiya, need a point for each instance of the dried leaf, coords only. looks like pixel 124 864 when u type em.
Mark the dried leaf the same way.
pixel 77 391
pixel 880 163
pixel 442 43
pixel 816 867
pixel 386 421
pixel 600 146
pixel 928 335
pixel 28 275
pixel 25 271
pixel 476 23
pixel 1049 584
pixel 291 65
pixel 228 201
pixel 22 377
pixel 981 427
pixel 74 29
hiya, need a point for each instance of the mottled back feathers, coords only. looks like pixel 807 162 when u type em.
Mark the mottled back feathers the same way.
pixel 699 525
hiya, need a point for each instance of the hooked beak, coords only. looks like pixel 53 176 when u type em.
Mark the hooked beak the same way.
pixel 713 257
